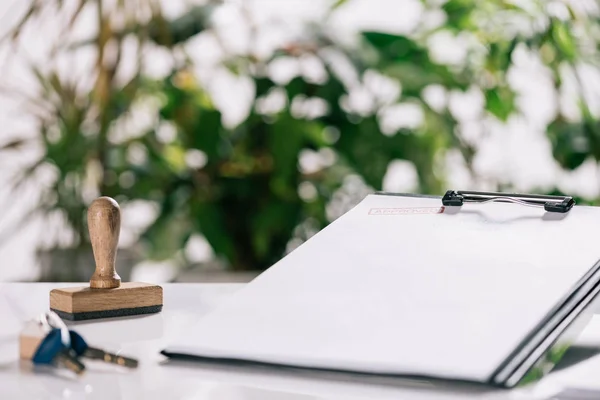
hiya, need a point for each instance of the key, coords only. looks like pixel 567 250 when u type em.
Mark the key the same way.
pixel 41 343
pixel 81 349
pixel 52 351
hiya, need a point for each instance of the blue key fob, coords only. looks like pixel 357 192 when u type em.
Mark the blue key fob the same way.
pixel 78 344
pixel 49 348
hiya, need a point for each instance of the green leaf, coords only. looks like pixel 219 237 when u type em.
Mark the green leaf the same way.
pixel 315 134
pixel 414 77
pixel 286 139
pixel 406 60
pixel 274 221
pixel 263 85
pixel 175 156
pixel 500 101
pixel 179 30
pixel 570 146
pixel 500 55
pixel 459 14
pixel 396 47
pixel 206 135
pixel 564 39
pixel 338 3
pixel 210 219
pixel 168 232
pixel 297 86
pixel 359 143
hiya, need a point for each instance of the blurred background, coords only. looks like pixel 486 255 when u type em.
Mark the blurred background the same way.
pixel 232 131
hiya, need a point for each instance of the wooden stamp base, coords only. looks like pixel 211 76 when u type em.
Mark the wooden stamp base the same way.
pixel 131 298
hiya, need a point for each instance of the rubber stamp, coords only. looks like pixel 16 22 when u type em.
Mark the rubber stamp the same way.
pixel 106 295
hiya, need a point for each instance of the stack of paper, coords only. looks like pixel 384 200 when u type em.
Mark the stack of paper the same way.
pixel 403 286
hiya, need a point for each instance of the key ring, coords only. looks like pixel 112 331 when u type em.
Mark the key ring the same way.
pixel 51 320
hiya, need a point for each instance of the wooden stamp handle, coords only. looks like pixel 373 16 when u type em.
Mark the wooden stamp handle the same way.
pixel 104 223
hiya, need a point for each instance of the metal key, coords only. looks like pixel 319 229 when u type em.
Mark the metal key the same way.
pixel 81 349
pixel 53 351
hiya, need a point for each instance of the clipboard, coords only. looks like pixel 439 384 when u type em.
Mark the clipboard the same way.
pixel 472 287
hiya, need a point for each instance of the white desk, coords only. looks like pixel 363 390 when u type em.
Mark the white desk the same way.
pixel 156 378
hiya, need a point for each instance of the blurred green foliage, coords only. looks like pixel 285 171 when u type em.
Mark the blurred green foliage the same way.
pixel 241 190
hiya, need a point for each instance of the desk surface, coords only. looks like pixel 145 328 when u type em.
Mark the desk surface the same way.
pixel 157 378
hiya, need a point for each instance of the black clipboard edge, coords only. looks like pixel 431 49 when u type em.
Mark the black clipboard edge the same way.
pixel 544 346
pixel 413 379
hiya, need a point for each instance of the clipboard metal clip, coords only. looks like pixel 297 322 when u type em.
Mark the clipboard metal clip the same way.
pixel 556 204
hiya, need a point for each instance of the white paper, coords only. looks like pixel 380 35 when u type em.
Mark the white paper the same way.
pixel 394 287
